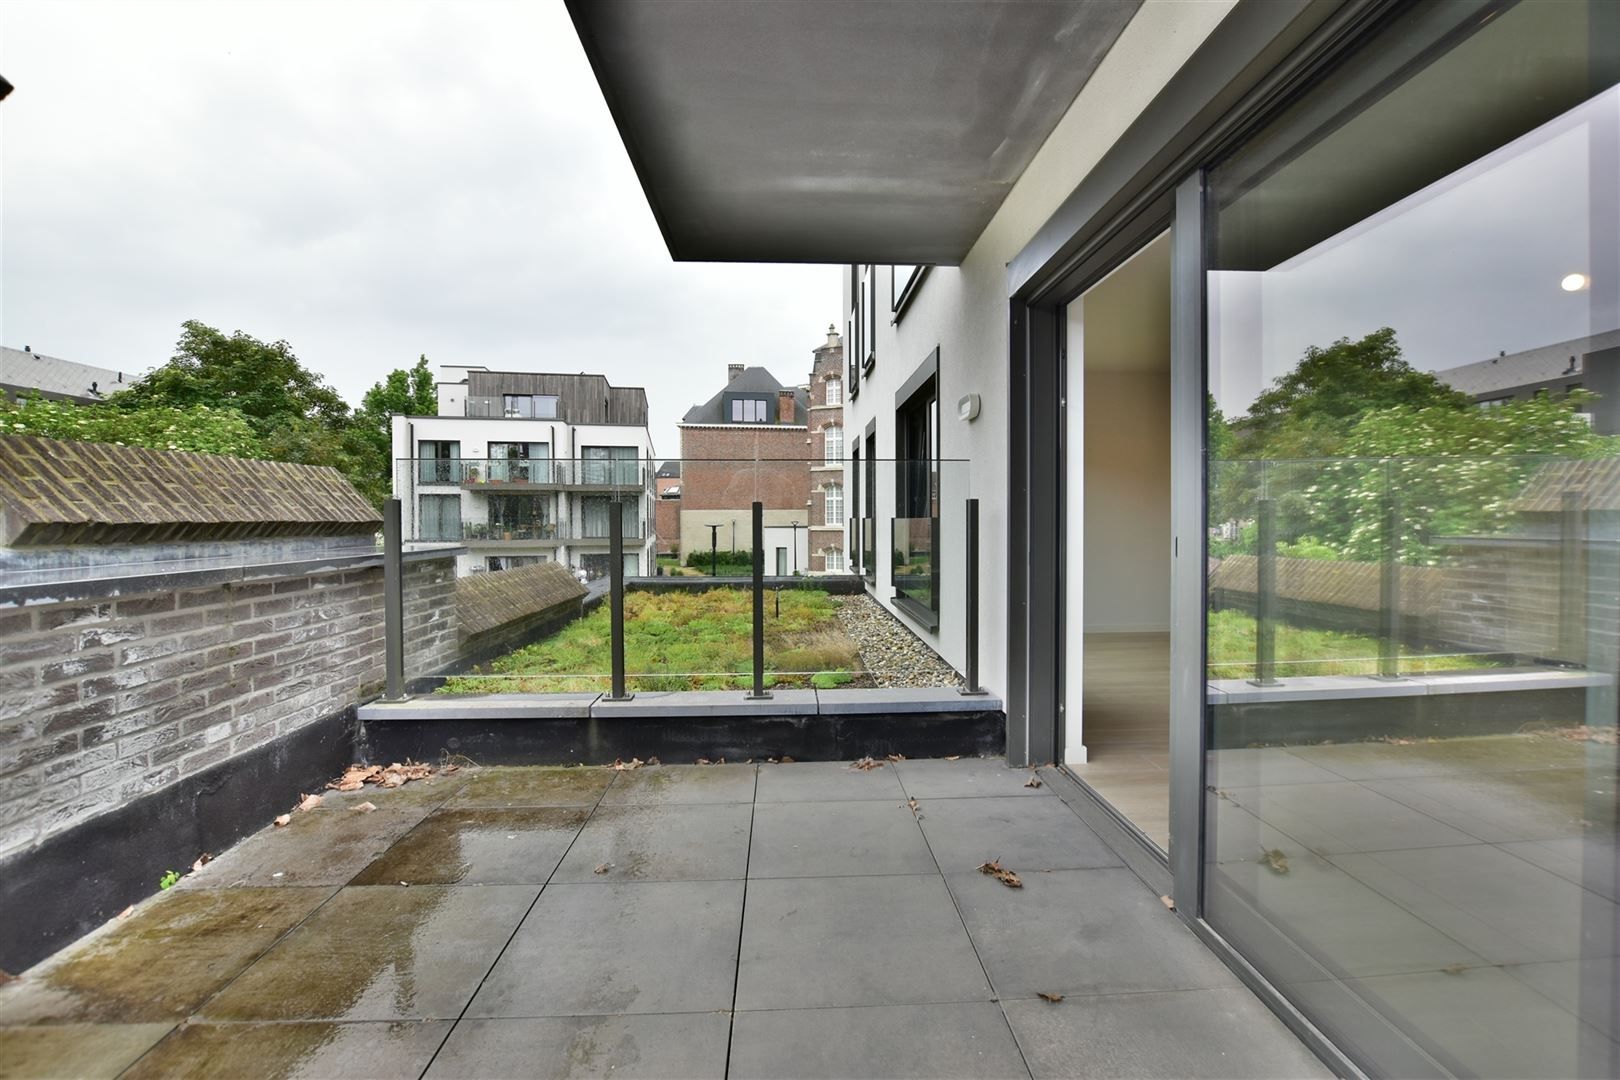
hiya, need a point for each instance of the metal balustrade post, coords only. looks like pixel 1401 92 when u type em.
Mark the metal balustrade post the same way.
pixel 759 693
pixel 1389 591
pixel 393 603
pixel 1265 595
pixel 616 599
pixel 970 606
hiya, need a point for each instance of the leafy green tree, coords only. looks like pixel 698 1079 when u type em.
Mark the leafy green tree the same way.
pixel 198 428
pixel 1309 411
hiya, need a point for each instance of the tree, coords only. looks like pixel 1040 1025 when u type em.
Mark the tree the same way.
pixel 1309 411
pixel 198 428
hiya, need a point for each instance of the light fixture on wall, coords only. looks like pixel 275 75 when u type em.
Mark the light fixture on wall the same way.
pixel 967 408
pixel 1574 282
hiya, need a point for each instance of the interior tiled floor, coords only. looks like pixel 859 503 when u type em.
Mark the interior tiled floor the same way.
pixel 1126 727
pixel 800 920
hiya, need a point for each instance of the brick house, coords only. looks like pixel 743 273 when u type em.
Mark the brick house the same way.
pixel 828 509
pixel 667 510
pixel 748 442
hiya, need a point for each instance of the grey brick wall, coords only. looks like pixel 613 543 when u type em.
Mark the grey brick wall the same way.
pixel 104 701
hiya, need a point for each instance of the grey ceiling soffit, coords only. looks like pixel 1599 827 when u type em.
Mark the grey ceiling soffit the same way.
pixel 840 131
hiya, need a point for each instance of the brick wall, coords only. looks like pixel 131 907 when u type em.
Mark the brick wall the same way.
pixel 730 467
pixel 667 522
pixel 103 701
pixel 828 364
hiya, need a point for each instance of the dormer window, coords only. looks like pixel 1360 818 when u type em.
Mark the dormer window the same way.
pixel 750 411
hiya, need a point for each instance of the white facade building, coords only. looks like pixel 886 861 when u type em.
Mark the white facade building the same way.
pixel 526 467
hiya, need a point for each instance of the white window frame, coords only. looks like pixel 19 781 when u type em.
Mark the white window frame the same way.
pixel 832 444
pixel 832 498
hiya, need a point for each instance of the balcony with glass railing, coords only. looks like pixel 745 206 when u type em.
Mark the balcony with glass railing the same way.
pixel 531 473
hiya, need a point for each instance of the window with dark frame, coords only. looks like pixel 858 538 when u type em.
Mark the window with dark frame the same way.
pixel 438 461
pixel 915 543
pixel 529 406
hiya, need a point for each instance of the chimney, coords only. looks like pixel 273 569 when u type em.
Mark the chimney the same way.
pixel 833 338
pixel 732 371
pixel 784 406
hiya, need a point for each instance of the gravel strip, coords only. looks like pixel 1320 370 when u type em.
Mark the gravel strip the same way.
pixel 890 652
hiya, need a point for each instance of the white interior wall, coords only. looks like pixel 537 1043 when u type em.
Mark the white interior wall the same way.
pixel 963 311
pixel 1127 501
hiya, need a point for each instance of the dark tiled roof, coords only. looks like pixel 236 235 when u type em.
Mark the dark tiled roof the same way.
pixel 59 492
pixel 755 379
pixel 1326 581
pixel 669 470
pixel 485 601
pixel 55 377
pixel 1526 368
pixel 1596 483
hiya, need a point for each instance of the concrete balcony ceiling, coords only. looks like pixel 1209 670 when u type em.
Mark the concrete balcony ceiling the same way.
pixel 846 131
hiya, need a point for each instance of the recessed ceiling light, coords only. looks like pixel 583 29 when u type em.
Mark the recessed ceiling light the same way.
pixel 1573 282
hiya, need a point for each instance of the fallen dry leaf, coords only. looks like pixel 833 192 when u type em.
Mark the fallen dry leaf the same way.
pixel 913 804
pixel 897 757
pixel 620 765
pixel 1054 998
pixel 653 761
pixel 126 913
pixel 391 780
pixel 1001 874
pixel 1454 969
pixel 284 819
pixel 953 757
pixel 364 808
pixel 1167 902
pixel 784 759
pixel 202 860
pixel 703 761
pixel 1033 781
pixel 602 868
pixel 309 802
pixel 448 769
pixel 1275 860
pixel 6 976
pixel 866 764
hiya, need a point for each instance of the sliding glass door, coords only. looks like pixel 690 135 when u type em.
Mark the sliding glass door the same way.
pixel 1413 543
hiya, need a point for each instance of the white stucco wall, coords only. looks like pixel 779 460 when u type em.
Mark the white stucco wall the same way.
pixel 963 311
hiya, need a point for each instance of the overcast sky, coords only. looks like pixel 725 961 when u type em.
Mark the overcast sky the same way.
pixel 368 181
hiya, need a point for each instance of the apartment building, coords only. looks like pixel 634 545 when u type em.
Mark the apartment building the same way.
pixel 748 443
pixel 1590 363
pixel 829 505
pixel 24 371
pixel 528 467
pixel 1084 244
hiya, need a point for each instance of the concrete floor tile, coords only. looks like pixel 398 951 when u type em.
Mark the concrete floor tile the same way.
pixel 1589 862
pixel 652 1047
pixel 1587 988
pixel 1542 804
pixel 579 785
pixel 827 781
pixel 1221 1032
pixel 315 848
pixel 1503 908
pixel 1079 932
pixel 1268 766
pixel 306 1051
pixel 1043 834
pixel 968 1040
pixel 381 953
pixel 1481 754
pixel 646 947
pixel 480 846
pixel 1344 925
pixel 935 778
pixel 700 842
pixel 1342 817
pixel 81 1051
pixel 428 793
pixel 668 785
pixel 1484 1022
pixel 162 962
pixel 810 942
pixel 837 838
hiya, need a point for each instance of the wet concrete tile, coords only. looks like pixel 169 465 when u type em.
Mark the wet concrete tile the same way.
pixel 813 942
pixel 297 1051
pixel 795 839
pixel 529 786
pixel 1487 753
pixel 1342 817
pixel 1542 804
pixel 936 778
pixel 644 947
pixel 162 962
pixel 661 843
pixel 667 785
pixel 827 781
pixel 381 953
pixel 654 1047
pixel 953 1040
pixel 480 846
pixel 1026 835
pixel 314 848
pixel 82 1051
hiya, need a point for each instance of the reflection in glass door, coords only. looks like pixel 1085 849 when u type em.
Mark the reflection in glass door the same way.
pixel 1413 518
